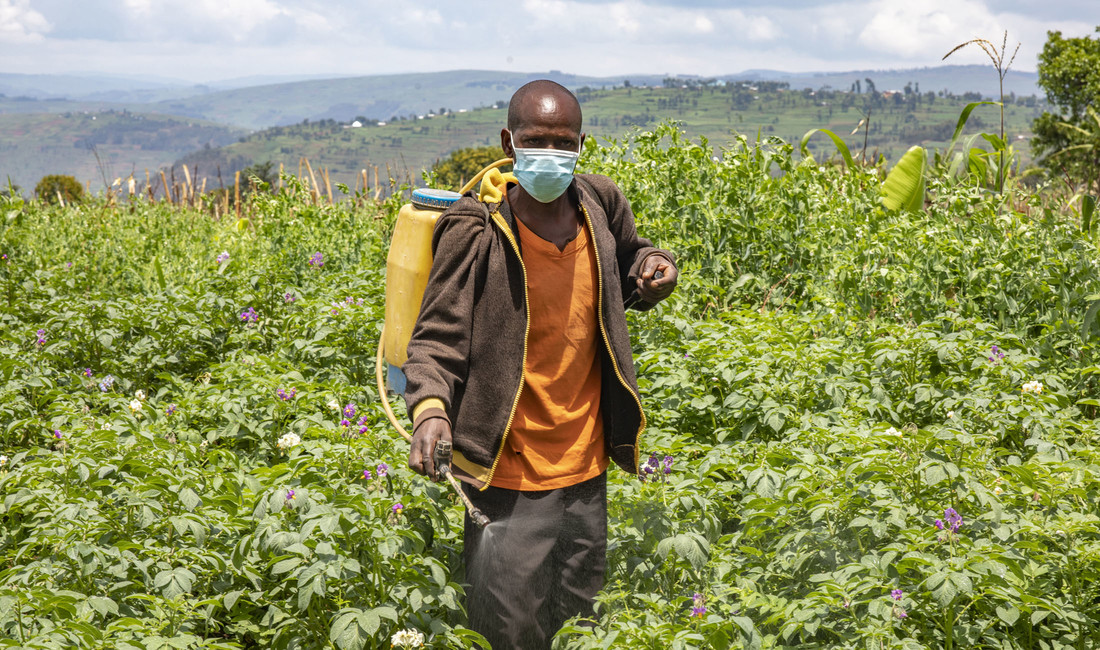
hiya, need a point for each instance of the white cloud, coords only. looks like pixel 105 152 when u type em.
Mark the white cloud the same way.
pixel 920 30
pixel 21 24
pixel 210 39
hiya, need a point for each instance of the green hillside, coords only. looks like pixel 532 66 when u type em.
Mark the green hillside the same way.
pixel 409 145
pixel 33 145
pixel 378 97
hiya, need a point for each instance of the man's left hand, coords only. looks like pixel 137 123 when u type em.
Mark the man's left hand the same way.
pixel 651 288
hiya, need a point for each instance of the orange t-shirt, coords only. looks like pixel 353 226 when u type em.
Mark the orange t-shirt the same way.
pixel 556 439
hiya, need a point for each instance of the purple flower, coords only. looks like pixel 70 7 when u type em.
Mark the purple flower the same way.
pixel 397 508
pixel 317 260
pixel 289 297
pixel 366 475
pixel 345 423
pixel 69 265
pixel 170 410
pixel 41 337
pixel 250 316
pixel 285 396
pixel 363 431
pixel 222 258
pixel 289 495
pixel 954 519
pixel 902 613
pixel 666 465
pixel 995 354
pixel 698 605
pixel 57 434
pixel 88 373
pixel 349 411
pixel 383 470
pixel 349 300
pixel 939 524
pixel 896 594
pixel 106 384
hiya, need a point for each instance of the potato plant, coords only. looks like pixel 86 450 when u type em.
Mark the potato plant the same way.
pixel 868 429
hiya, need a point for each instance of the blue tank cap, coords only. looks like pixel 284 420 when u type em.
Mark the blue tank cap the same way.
pixel 429 199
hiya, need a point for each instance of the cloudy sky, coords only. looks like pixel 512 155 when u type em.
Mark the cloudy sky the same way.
pixel 204 40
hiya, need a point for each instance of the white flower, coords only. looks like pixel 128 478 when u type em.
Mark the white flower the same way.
pixel 1035 387
pixel 135 406
pixel 203 444
pixel 140 394
pixel 3 460
pixel 407 639
pixel 950 414
pixel 997 490
pixel 892 432
pixel 333 404
pixel 288 440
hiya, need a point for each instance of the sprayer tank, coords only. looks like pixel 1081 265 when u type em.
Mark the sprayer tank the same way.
pixel 407 267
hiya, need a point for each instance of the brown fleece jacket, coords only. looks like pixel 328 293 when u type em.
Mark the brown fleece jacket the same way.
pixel 468 347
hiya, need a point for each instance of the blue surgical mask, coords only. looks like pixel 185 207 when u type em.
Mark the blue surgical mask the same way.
pixel 544 173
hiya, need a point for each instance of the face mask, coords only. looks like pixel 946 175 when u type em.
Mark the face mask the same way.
pixel 544 173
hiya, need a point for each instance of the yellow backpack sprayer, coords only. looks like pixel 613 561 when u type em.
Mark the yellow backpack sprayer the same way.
pixel 408 265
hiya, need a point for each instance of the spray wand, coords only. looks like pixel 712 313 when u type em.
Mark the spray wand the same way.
pixel 441 457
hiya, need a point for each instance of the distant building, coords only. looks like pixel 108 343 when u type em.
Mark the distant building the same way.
pixel 356 124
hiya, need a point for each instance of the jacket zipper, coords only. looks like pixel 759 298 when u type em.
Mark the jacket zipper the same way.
pixel 603 332
pixel 497 219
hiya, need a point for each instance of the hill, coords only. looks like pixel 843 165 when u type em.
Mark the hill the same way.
pixel 261 102
pixel 33 145
pixel 718 113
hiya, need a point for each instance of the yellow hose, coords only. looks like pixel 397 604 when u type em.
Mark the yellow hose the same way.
pixel 477 177
pixel 379 376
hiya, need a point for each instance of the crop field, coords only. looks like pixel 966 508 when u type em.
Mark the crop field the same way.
pixel 867 428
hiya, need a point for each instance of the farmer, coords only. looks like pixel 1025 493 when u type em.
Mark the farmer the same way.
pixel 522 358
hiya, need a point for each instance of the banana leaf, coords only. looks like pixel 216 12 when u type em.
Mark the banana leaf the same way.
pixel 903 188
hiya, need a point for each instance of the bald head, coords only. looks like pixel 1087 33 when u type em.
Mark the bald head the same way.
pixel 544 102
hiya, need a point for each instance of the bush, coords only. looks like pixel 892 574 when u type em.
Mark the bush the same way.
pixel 51 187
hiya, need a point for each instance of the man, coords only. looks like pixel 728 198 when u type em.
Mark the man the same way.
pixel 521 353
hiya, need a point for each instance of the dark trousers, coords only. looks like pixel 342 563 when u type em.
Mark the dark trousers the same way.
pixel 540 561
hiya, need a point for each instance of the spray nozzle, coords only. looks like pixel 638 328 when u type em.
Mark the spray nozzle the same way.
pixel 441 458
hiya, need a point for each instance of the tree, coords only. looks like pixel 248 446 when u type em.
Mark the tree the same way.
pixel 57 185
pixel 454 170
pixel 1069 72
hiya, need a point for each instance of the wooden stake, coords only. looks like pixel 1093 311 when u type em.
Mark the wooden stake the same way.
pixel 315 190
pixel 164 184
pixel 187 186
pixel 328 186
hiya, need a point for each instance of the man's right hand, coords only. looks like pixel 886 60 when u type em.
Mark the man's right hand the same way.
pixel 422 445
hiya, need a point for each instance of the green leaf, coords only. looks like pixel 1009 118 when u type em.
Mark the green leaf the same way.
pixel 1008 614
pixel 1089 318
pixel 934 474
pixel 904 186
pixel 285 566
pixel 1088 208
pixel 963 117
pixel 837 140
pixel 189 498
